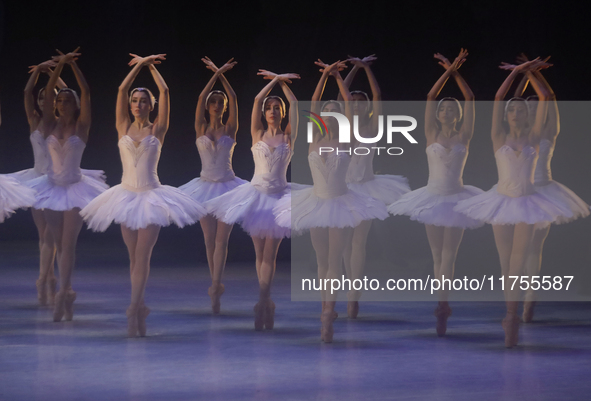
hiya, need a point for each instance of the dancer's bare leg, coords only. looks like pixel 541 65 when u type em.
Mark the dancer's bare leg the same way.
pixel 513 244
pixel 217 234
pixel 209 227
pixel 319 237
pixel 533 266
pixel 46 284
pixel 65 227
pixel 357 263
pixel 266 257
pixel 337 241
pixel 140 244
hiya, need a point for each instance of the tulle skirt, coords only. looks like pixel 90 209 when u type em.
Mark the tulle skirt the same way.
pixel 252 209
pixel 495 208
pixel 427 207
pixel 13 195
pixel 384 187
pixel 302 209
pixel 30 174
pixel 202 191
pixel 559 193
pixel 160 206
pixel 67 197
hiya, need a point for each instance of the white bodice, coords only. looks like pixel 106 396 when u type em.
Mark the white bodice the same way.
pixel 329 176
pixel 40 153
pixel 516 170
pixel 270 167
pixel 64 166
pixel 216 158
pixel 543 172
pixel 140 163
pixel 446 168
pixel 361 168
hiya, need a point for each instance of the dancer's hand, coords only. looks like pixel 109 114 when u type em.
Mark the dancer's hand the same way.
pixel 67 58
pixel 44 67
pixel 365 61
pixel 153 59
pixel 443 61
pixel 228 66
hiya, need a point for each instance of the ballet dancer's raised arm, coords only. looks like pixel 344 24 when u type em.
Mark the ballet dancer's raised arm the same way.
pixel 431 127
pixel 498 133
pixel 49 118
pixel 467 129
pixel 122 108
pixel 231 127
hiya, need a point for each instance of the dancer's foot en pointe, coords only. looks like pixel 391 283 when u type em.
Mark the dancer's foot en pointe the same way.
pixel 327 330
pixel 132 320
pixel 215 293
pixel 442 313
pixel 69 305
pixel 60 306
pixel 41 292
pixel 260 312
pixel 511 327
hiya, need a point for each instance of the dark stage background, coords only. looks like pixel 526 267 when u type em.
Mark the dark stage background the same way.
pixel 288 38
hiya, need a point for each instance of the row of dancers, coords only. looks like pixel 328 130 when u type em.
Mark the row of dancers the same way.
pixel 337 209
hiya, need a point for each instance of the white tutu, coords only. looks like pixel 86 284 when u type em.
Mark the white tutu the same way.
pixel 303 209
pixel 13 195
pixel 384 187
pixel 252 208
pixel 60 198
pixel 202 190
pixel 495 208
pixel 434 209
pixel 30 174
pixel 559 193
pixel 160 206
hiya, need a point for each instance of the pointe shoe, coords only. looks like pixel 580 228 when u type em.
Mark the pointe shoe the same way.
pixel 270 315
pixel 353 304
pixel 51 287
pixel 442 312
pixel 215 294
pixel 327 330
pixel 528 311
pixel 142 314
pixel 259 315
pixel 41 292
pixel 511 327
pixel 132 320
pixel 69 305
pixel 60 306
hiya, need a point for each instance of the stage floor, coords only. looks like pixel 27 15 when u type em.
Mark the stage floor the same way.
pixel 390 352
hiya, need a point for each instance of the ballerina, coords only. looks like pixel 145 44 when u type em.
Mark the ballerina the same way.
pixel 544 183
pixel 140 204
pixel 329 209
pixel 513 206
pixel 13 195
pixel 215 143
pixel 65 190
pixel 360 176
pixel 46 283
pixel 447 151
pixel 252 204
